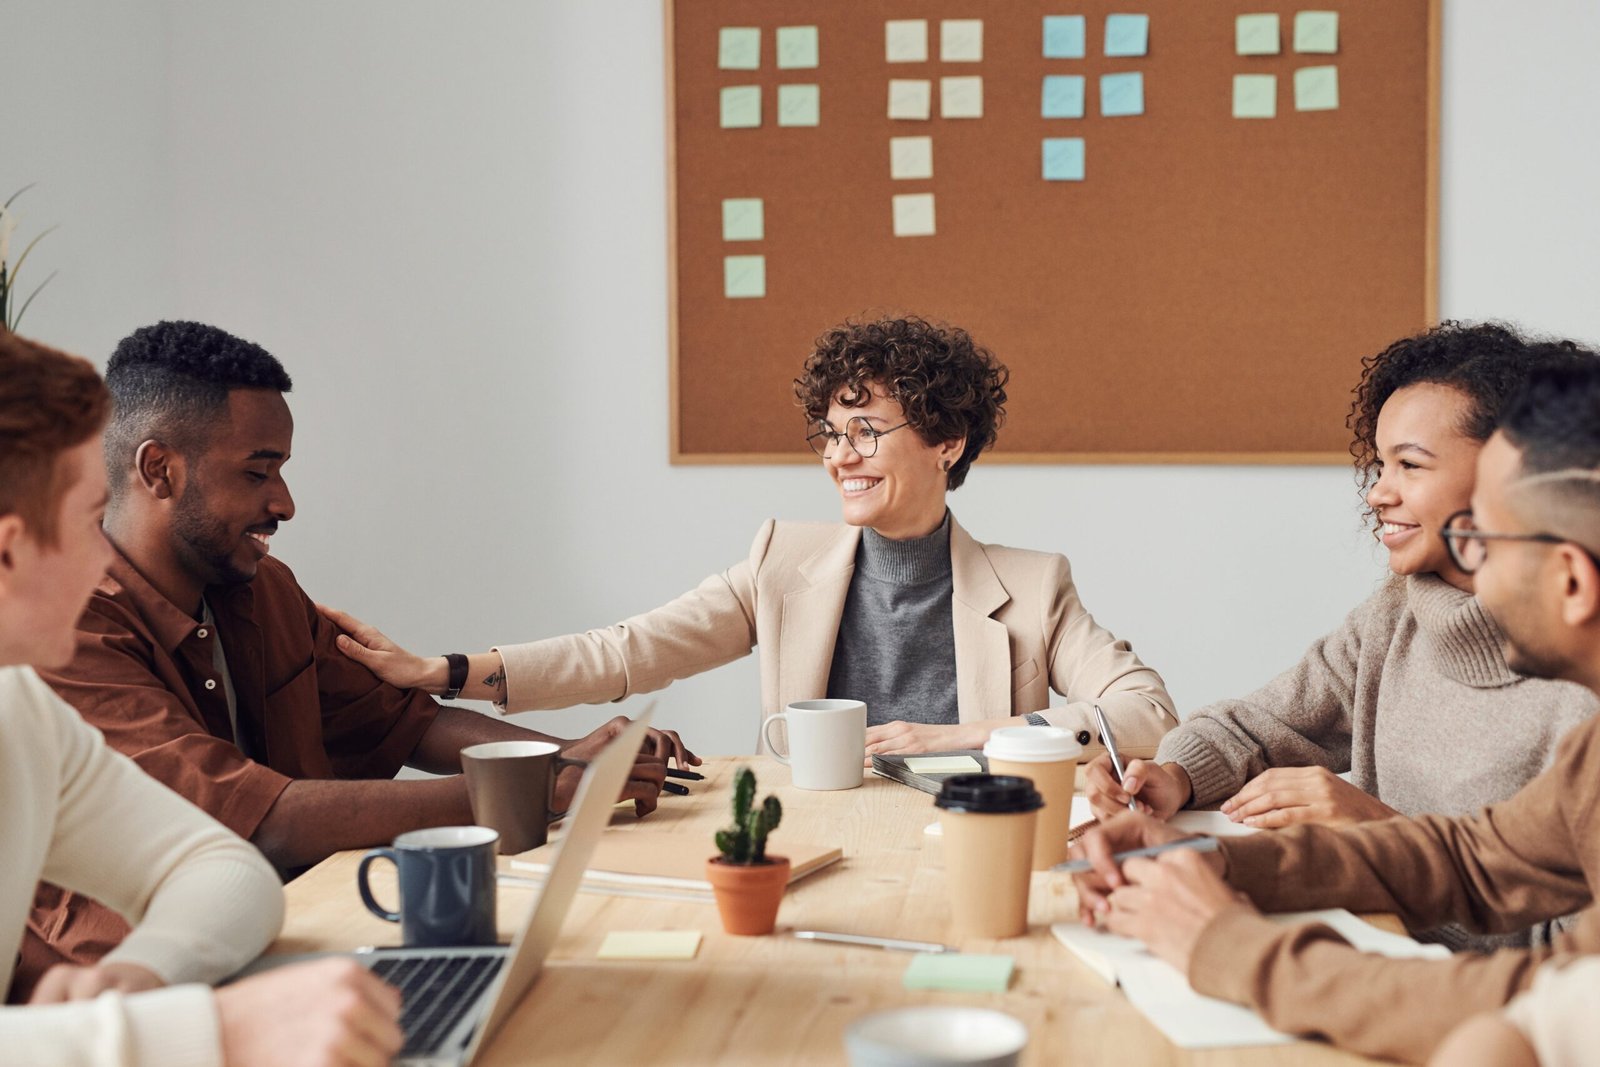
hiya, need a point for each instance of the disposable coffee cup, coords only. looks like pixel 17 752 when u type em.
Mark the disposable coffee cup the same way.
pixel 944 1035
pixel 988 822
pixel 827 742
pixel 1049 755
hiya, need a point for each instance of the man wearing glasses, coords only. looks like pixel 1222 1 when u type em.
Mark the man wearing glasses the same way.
pixel 1531 541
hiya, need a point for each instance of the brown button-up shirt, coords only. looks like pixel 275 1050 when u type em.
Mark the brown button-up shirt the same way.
pixel 144 673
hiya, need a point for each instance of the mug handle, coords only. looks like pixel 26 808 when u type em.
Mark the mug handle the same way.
pixel 766 737
pixel 366 890
pixel 561 762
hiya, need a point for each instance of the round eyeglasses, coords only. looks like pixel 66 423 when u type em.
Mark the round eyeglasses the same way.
pixel 1469 546
pixel 861 434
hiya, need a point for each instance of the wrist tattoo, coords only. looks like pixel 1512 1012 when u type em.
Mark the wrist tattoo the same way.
pixel 496 681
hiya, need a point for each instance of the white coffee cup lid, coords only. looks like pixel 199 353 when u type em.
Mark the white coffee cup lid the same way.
pixel 1032 744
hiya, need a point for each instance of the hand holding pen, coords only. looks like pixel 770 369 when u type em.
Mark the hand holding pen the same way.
pixel 1110 742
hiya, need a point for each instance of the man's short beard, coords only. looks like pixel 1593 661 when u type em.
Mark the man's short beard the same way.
pixel 206 542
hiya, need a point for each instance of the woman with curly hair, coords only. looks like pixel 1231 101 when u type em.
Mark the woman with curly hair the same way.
pixel 943 637
pixel 1411 696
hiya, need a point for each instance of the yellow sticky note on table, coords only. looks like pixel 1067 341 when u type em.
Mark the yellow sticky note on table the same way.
pixel 905 40
pixel 961 98
pixel 797 47
pixel 650 945
pixel 913 215
pixel 744 276
pixel 1316 89
pixel 1316 32
pixel 1256 35
pixel 1255 96
pixel 961 41
pixel 910 98
pixel 739 48
pixel 741 107
pixel 943 765
pixel 799 105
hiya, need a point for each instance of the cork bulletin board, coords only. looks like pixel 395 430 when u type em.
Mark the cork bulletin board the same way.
pixel 1180 223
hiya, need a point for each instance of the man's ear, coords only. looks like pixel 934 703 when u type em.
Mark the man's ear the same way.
pixel 13 534
pixel 159 470
pixel 1580 597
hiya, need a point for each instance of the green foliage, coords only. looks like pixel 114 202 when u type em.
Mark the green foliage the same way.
pixel 10 314
pixel 745 842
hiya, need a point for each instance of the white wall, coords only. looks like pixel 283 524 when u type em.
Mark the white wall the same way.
pixel 449 222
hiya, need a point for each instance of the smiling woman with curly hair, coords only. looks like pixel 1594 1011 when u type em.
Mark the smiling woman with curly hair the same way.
pixel 943 637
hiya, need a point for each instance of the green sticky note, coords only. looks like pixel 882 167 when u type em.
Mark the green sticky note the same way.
pixel 1063 97
pixel 1255 96
pixel 1316 89
pixel 1064 36
pixel 741 107
pixel 797 47
pixel 1256 35
pixel 739 48
pixel 1063 159
pixel 744 276
pixel 959 971
pixel 1127 35
pixel 743 219
pixel 799 105
pixel 650 945
pixel 1122 94
pixel 1316 31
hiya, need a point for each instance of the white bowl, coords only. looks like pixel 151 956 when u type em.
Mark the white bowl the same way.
pixel 935 1037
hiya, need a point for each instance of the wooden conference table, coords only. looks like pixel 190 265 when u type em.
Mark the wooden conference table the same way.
pixel 777 1000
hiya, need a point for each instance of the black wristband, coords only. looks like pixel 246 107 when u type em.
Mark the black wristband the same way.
pixel 457 680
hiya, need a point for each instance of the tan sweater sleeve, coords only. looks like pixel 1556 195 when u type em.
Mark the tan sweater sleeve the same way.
pixel 1514 864
pixel 712 624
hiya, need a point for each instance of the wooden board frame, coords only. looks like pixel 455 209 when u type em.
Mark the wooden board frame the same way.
pixel 678 455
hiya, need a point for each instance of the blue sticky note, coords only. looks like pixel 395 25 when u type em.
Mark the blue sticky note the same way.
pixel 1063 159
pixel 1064 36
pixel 1063 96
pixel 1127 35
pixel 1122 94
pixel 960 971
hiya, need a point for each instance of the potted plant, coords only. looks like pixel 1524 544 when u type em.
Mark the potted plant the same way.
pixel 10 313
pixel 748 883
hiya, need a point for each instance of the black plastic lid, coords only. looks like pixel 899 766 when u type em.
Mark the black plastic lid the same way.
pixel 988 794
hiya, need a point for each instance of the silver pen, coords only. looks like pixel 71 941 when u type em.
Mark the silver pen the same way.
pixel 1111 749
pixel 1198 844
pixel 872 942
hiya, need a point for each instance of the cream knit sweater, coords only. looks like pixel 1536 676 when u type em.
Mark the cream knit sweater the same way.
pixel 203 902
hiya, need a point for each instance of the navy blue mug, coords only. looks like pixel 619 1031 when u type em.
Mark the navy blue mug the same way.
pixel 447 881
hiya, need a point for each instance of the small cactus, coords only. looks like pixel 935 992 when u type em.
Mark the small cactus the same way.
pixel 745 842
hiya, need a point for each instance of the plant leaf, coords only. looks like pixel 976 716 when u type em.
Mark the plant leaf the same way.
pixel 17 269
pixel 24 309
pixel 18 193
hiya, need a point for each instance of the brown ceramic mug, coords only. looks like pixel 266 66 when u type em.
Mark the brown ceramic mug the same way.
pixel 512 787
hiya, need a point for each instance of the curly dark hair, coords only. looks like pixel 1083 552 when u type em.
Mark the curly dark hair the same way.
pixel 1486 362
pixel 949 385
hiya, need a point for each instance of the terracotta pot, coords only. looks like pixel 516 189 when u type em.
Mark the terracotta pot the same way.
pixel 748 895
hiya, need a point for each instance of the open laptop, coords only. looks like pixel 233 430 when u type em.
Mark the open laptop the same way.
pixel 456 999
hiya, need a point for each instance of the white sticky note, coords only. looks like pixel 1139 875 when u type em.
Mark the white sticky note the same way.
pixel 741 107
pixel 1256 35
pixel 910 98
pixel 910 157
pixel 961 98
pixel 739 48
pixel 913 215
pixel 650 945
pixel 961 40
pixel 743 219
pixel 799 105
pixel 1316 32
pixel 1255 96
pixel 744 276
pixel 797 47
pixel 905 40
pixel 1316 89
pixel 943 765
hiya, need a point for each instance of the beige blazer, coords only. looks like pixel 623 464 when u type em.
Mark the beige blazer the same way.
pixel 1020 631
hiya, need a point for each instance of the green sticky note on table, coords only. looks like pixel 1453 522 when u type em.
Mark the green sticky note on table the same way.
pixel 1256 35
pixel 1316 32
pixel 739 48
pixel 1255 96
pixel 1127 35
pixel 943 765
pixel 743 219
pixel 1316 89
pixel 744 276
pixel 741 107
pixel 650 945
pixel 959 971
pixel 1122 94
pixel 799 105
pixel 797 47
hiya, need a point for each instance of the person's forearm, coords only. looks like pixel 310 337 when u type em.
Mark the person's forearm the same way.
pixel 439 751
pixel 314 818
pixel 486 677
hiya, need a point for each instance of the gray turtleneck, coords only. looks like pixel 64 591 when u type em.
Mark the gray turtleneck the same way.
pixel 1411 696
pixel 897 644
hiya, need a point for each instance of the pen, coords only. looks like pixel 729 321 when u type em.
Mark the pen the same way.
pixel 1111 749
pixel 1198 844
pixel 688 776
pixel 872 942
pixel 675 789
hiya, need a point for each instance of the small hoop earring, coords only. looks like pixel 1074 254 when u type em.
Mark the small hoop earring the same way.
pixel 947 466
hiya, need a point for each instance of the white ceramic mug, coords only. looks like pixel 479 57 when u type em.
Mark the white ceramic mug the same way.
pixel 827 742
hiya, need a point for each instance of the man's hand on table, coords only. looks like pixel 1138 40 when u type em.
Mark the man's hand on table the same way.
pixel 1287 796
pixel 643 786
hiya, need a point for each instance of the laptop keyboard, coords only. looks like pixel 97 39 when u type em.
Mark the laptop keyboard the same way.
pixel 435 991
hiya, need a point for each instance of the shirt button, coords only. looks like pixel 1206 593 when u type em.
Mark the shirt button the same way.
pixel 202 632
pixel 1083 737
pixel 211 683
